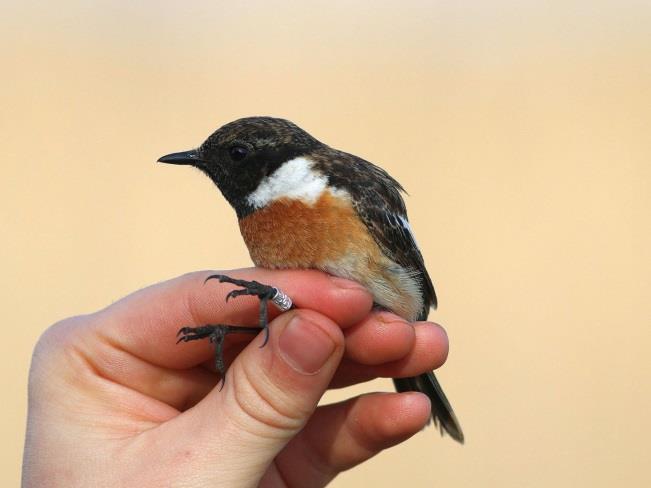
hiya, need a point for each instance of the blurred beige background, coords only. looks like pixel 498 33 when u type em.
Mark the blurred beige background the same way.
pixel 520 129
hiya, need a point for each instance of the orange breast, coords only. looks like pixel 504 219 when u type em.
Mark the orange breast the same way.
pixel 290 233
pixel 329 236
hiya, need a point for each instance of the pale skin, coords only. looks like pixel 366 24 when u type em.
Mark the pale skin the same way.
pixel 113 401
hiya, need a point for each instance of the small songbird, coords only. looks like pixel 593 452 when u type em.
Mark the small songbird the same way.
pixel 303 204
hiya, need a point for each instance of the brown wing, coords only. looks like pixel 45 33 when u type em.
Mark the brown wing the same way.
pixel 377 199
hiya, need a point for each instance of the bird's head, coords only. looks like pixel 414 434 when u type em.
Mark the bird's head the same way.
pixel 241 154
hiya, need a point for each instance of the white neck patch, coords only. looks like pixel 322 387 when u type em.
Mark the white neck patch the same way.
pixel 295 179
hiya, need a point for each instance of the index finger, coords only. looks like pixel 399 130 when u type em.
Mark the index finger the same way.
pixel 145 323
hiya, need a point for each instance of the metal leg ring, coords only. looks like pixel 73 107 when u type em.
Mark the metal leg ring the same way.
pixel 281 300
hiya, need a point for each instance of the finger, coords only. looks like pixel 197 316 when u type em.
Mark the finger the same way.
pixel 145 323
pixel 269 395
pixel 429 351
pixel 380 338
pixel 343 435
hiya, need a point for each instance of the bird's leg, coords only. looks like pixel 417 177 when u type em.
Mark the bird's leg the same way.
pixel 263 292
pixel 216 333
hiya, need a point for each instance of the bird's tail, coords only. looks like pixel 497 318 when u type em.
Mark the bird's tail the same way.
pixel 442 413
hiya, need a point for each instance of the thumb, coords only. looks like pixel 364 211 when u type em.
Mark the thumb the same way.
pixel 269 394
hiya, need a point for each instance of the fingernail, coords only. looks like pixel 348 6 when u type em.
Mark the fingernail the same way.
pixel 304 346
pixel 346 284
pixel 441 329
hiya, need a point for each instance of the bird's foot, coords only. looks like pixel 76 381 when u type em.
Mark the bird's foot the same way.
pixel 263 292
pixel 216 333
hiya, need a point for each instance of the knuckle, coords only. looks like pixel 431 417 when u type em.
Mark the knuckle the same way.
pixel 56 350
pixel 59 334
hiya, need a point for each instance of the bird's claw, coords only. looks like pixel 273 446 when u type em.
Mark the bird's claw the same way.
pixel 235 294
pixel 217 333
pixel 252 288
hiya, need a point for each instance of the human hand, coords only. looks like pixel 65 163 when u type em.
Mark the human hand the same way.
pixel 114 402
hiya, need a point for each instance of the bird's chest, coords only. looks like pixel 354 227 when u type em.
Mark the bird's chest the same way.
pixel 291 233
pixel 328 235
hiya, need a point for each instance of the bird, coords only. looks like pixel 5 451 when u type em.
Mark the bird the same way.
pixel 302 204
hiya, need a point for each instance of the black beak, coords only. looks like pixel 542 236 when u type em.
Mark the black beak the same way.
pixel 185 157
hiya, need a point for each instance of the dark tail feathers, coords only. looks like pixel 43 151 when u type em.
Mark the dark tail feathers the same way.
pixel 442 412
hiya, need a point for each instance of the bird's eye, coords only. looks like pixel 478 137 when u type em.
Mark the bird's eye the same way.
pixel 238 153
